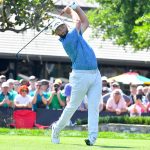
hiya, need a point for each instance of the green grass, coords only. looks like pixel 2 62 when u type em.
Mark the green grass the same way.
pixel 12 139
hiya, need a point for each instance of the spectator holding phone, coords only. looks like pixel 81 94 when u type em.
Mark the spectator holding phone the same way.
pixel 56 99
pixel 138 107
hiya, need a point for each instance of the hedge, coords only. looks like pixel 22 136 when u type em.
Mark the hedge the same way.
pixel 144 120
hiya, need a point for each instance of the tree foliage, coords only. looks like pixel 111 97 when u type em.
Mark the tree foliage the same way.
pixel 126 22
pixel 20 15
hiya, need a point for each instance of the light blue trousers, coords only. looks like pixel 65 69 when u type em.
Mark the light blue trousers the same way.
pixel 84 82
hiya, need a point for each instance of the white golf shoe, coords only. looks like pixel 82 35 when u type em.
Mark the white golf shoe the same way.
pixel 55 135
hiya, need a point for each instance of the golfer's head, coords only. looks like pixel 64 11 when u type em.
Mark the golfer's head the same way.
pixel 59 28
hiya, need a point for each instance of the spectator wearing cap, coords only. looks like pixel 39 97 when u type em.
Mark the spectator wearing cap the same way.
pixel 58 81
pixel 6 98
pixel 115 85
pixel 3 78
pixel 104 81
pixel 56 100
pixel 40 97
pixel 11 87
pixel 16 85
pixel 32 86
pixel 23 100
pixel 45 85
pixel 116 102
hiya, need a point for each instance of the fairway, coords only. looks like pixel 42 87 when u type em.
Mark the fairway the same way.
pixel 14 142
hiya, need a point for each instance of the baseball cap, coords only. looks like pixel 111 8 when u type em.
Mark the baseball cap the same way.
pixel 104 78
pixel 44 82
pixel 55 24
pixel 31 78
pixel 5 84
pixel 10 81
pixel 58 81
pixel 2 76
pixel 115 84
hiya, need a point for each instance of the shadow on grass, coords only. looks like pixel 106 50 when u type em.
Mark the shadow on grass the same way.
pixel 111 147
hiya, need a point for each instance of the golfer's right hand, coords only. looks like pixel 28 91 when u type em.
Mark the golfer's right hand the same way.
pixel 66 10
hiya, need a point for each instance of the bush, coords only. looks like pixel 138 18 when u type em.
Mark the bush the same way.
pixel 145 120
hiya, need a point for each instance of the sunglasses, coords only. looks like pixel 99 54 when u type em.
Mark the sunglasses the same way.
pixel 23 90
pixel 117 94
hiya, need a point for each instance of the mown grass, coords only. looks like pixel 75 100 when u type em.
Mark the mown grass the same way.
pixel 15 142
pixel 38 139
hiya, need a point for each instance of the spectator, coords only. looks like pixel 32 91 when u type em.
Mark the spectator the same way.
pixel 105 90
pixel 138 107
pixel 11 87
pixel 40 97
pixel 6 98
pixel 116 102
pixel 24 82
pixel 133 92
pixel 114 86
pixel 67 92
pixel 145 90
pixel 56 100
pixel 0 85
pixel 58 81
pixel 140 90
pixel 16 85
pixel 22 99
pixel 104 81
pixel 148 99
pixel 45 85
pixel 32 86
pixel 141 94
pixel 3 78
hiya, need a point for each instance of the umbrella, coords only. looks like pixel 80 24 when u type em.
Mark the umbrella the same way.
pixel 130 77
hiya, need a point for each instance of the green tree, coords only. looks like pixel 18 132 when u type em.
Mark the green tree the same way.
pixel 20 15
pixel 126 22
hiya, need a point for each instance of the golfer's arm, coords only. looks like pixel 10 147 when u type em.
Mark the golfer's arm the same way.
pixel 80 18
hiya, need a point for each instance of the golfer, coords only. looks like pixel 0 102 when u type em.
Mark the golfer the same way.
pixel 85 77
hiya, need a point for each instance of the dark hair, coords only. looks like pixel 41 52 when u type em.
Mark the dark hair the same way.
pixel 56 87
pixel 138 97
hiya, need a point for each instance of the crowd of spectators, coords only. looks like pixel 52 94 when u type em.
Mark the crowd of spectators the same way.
pixel 115 100
pixel 33 93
